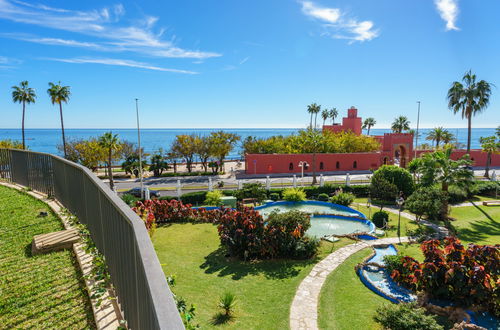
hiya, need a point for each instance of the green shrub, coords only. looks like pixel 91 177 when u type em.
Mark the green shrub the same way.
pixel 396 175
pixel 213 198
pixel 251 190
pixel 194 198
pixel 130 200
pixel 329 189
pixel 294 195
pixel 488 188
pixel 274 196
pixel 383 190
pixel 457 195
pixel 393 262
pixel 323 197
pixel 421 233
pixel 343 198
pixel 380 218
pixel 167 198
pixel 227 302
pixel 406 317
pixel 426 202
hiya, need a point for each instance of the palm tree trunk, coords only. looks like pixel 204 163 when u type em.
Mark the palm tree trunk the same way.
pixel 110 172
pixel 487 169
pixel 314 169
pixel 315 118
pixel 369 129
pixel 62 128
pixel 469 131
pixel 24 143
pixel 311 121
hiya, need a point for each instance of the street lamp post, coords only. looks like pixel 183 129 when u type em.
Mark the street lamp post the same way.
pixel 418 121
pixel 140 151
pixel 368 206
pixel 399 202
pixel 302 164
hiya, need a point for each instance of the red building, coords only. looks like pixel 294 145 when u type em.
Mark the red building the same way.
pixel 395 148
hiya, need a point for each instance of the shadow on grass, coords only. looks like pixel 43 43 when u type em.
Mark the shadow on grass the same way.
pixel 221 318
pixel 479 230
pixel 217 262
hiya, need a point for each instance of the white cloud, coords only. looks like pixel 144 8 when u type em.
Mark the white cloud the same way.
pixel 104 24
pixel 119 62
pixel 243 61
pixel 337 25
pixel 448 10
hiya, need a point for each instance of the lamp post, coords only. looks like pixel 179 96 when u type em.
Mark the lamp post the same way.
pixel 399 202
pixel 302 164
pixel 368 206
pixel 140 151
pixel 418 121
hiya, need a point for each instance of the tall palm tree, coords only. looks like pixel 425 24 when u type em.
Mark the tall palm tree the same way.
pixel 490 145
pixel 59 94
pixel 23 94
pixel 325 114
pixel 333 114
pixel 436 135
pixel 469 98
pixel 369 123
pixel 498 132
pixel 313 109
pixel 447 137
pixel 111 144
pixel 400 124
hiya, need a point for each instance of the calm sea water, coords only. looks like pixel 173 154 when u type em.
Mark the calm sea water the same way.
pixel 46 140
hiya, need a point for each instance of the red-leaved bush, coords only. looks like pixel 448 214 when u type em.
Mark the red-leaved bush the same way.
pixel 466 276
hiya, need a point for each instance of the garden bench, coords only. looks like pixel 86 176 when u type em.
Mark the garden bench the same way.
pixel 491 203
pixel 54 241
pixel 249 201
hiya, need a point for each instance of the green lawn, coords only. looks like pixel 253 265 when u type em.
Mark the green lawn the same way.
pixel 477 224
pixel 264 290
pixel 44 291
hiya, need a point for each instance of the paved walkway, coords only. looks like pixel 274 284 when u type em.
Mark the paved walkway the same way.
pixel 304 310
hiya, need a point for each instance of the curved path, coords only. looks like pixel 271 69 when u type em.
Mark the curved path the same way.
pixel 304 310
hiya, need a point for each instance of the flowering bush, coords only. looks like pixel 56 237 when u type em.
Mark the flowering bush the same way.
pixel 466 276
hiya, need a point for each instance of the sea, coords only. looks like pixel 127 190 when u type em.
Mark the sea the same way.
pixel 46 140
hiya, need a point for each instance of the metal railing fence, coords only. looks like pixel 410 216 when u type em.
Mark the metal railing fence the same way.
pixel 119 234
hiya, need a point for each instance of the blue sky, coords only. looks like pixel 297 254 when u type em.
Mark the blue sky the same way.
pixel 244 64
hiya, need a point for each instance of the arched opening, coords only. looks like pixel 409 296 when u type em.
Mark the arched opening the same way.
pixel 401 156
pixel 386 160
pixel 290 167
pixel 355 164
pixel 321 166
pixel 337 165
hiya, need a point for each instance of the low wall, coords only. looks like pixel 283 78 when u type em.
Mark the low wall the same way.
pixel 289 163
pixel 477 156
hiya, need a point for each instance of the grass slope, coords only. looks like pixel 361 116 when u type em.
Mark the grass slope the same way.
pixel 264 290
pixel 44 291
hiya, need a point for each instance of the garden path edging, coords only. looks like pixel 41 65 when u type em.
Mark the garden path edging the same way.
pixel 304 309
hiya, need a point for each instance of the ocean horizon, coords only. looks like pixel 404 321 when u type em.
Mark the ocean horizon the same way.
pixel 47 139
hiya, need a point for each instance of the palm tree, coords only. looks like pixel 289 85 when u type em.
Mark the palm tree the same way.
pixel 436 135
pixel 333 114
pixel 490 145
pixel 23 94
pixel 59 94
pixel 368 123
pixel 498 132
pixel 325 114
pixel 313 109
pixel 400 124
pixel 469 98
pixel 447 137
pixel 111 144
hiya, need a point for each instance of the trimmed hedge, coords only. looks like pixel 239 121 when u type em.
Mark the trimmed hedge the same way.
pixel 194 198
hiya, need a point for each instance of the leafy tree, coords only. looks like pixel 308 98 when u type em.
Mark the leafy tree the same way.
pixel 413 167
pixel 383 190
pixel 59 94
pixel 400 124
pixel 325 114
pixel 333 114
pixel 369 123
pixel 185 147
pixel 498 132
pixel 158 163
pixel 172 156
pixel 490 145
pixel 111 144
pixel 10 144
pixel 204 150
pixel 23 94
pixel 222 143
pixel 88 153
pixel 426 201
pixel 131 165
pixel 313 109
pixel 252 190
pixel 398 176
pixel 130 149
pixel 312 142
pixel 439 168
pixel 469 97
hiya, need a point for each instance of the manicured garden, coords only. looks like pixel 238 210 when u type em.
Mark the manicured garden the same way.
pixel 43 291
